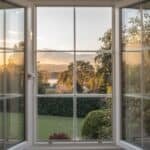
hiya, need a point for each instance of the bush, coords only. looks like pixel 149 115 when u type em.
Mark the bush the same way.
pixel 97 125
pixel 147 117
pixel 59 136
pixel 64 106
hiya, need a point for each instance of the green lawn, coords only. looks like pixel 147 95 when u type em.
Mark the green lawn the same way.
pixel 48 125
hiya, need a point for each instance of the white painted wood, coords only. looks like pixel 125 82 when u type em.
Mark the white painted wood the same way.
pixel 21 146
pixel 29 81
pixel 31 102
pixel 76 146
pixel 117 77
pixel 128 146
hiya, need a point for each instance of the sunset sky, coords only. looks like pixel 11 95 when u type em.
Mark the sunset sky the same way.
pixel 55 27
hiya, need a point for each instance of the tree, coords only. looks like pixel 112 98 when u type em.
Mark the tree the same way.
pixel 103 62
pixel 65 80
pixel 137 33
pixel 85 76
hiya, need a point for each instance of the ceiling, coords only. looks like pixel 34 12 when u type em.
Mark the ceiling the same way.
pixel 119 3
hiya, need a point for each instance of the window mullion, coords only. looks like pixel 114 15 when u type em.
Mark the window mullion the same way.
pixel 74 80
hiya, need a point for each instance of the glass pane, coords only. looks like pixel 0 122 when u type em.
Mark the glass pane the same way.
pixel 146 124
pixel 15 121
pixel 146 25
pixel 131 120
pixel 91 24
pixel 55 119
pixel 1 73
pixel 55 28
pixel 15 72
pixel 94 72
pixel 131 72
pixel 1 29
pixel 94 118
pixel 131 29
pixel 1 124
pixel 55 71
pixel 147 72
pixel 15 28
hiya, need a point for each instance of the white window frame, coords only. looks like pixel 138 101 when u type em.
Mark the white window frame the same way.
pixel 48 4
pixel 31 65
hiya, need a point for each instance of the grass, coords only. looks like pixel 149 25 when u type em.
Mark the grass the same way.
pixel 46 125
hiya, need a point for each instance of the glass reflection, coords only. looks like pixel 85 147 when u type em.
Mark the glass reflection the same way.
pixel 55 28
pixel 1 73
pixel 1 29
pixel 15 119
pixel 55 71
pixel 146 25
pixel 131 72
pixel 94 118
pixel 94 72
pixel 146 71
pixel 55 119
pixel 131 120
pixel 15 72
pixel 11 75
pixel 15 28
pixel 131 29
pixel 146 139
pixel 1 124
pixel 91 25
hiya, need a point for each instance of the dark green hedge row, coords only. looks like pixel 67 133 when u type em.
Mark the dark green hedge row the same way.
pixel 64 106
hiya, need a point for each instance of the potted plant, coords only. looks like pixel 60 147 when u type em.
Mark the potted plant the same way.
pixel 58 136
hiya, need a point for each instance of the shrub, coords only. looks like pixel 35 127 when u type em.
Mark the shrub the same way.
pixel 63 107
pixel 97 125
pixel 147 117
pixel 59 136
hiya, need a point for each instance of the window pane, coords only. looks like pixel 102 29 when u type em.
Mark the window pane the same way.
pixel 1 29
pixel 91 24
pixel 55 118
pixel 55 71
pixel 55 28
pixel 146 124
pixel 15 28
pixel 94 72
pixel 1 73
pixel 15 121
pixel 1 123
pixel 94 118
pixel 131 29
pixel 131 72
pixel 146 25
pixel 15 72
pixel 146 72
pixel 131 120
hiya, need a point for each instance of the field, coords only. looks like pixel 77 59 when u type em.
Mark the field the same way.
pixel 46 125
